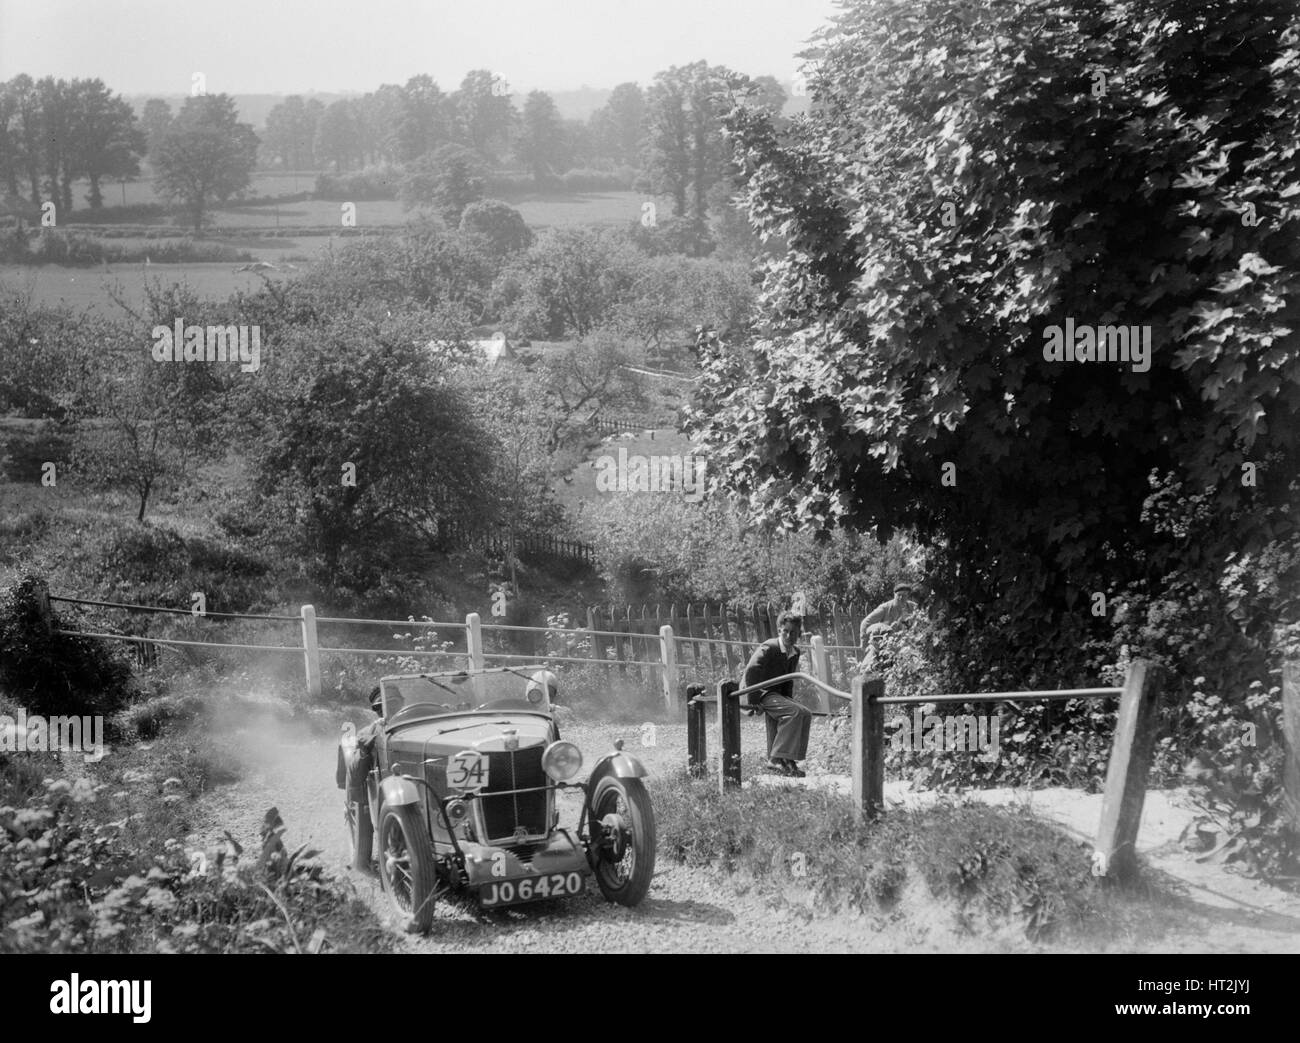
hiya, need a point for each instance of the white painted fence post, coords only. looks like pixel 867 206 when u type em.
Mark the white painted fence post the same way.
pixel 311 651
pixel 668 655
pixel 474 645
pixel 474 640
pixel 821 668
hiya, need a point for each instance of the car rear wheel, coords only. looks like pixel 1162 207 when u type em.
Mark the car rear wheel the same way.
pixel 406 866
pixel 623 836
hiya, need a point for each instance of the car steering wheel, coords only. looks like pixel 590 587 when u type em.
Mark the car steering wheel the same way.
pixel 416 706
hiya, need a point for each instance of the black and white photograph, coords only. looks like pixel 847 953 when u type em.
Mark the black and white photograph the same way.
pixel 663 477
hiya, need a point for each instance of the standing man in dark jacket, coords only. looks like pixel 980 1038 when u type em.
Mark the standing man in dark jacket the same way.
pixel 787 720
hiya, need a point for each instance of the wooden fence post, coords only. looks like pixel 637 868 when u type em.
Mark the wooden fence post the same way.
pixel 821 668
pixel 668 655
pixel 474 646
pixel 597 652
pixel 726 647
pixel 43 607
pixel 1126 773
pixel 868 747
pixel 311 651
pixel 697 726
pixel 1291 736
pixel 474 640
pixel 728 736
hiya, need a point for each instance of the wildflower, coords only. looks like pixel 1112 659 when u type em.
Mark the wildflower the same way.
pixel 158 900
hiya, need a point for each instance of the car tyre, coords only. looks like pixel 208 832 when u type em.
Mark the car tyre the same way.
pixel 406 867
pixel 623 835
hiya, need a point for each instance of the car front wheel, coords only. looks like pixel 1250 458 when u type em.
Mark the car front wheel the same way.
pixel 406 865
pixel 623 835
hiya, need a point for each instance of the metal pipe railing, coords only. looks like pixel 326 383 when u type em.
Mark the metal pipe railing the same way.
pixel 791 677
pixel 986 697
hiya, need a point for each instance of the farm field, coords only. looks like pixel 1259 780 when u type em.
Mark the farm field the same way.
pixel 141 191
pixel 540 209
pixel 83 287
pixel 91 288
pixel 581 490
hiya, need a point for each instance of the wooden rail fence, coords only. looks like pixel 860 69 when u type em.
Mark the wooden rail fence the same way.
pixel 1115 851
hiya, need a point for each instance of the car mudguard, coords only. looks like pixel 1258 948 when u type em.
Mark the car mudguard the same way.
pixel 624 765
pixel 394 792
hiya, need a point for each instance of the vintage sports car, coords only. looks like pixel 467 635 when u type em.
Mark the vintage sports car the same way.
pixel 459 780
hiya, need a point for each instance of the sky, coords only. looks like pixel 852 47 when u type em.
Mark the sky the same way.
pixel 298 46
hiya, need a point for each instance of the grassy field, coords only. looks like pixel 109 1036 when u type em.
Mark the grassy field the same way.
pixel 91 288
pixel 581 490
pixel 135 193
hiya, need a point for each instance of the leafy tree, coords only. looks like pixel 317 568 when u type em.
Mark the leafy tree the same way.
pixel 109 143
pixel 498 225
pixel 619 126
pixel 541 145
pixel 483 112
pixel 145 424
pixel 448 179
pixel 957 189
pixel 355 392
pixel 379 120
pixel 51 356
pixel 686 151
pixel 675 295
pixel 57 139
pixel 24 134
pixel 339 138
pixel 206 156
pixel 586 377
pixel 570 282
pixel 10 140
pixel 155 121
pixel 768 95
pixel 291 130
pixel 657 547
pixel 520 421
pixel 424 122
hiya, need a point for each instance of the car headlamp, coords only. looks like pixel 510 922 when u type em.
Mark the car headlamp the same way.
pixel 457 810
pixel 561 761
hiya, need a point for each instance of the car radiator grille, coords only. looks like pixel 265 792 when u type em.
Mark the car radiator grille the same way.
pixel 515 769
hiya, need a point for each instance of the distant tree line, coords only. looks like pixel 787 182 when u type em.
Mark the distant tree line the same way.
pixel 54 132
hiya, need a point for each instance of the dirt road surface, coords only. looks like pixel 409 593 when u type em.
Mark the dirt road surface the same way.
pixel 700 910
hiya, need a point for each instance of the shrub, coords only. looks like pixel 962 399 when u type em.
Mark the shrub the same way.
pixel 579 180
pixel 500 226
pixel 50 673
pixel 372 183
pixel 95 866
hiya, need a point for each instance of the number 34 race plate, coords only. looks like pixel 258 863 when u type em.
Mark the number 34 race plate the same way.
pixel 531 889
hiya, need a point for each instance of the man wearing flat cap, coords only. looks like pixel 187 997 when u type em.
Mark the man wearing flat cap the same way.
pixel 887 613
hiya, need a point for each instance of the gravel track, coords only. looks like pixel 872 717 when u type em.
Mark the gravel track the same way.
pixel 693 910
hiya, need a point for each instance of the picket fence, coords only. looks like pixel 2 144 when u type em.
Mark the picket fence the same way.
pixel 532 543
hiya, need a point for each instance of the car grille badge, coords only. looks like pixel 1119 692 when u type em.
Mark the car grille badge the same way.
pixel 512 739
